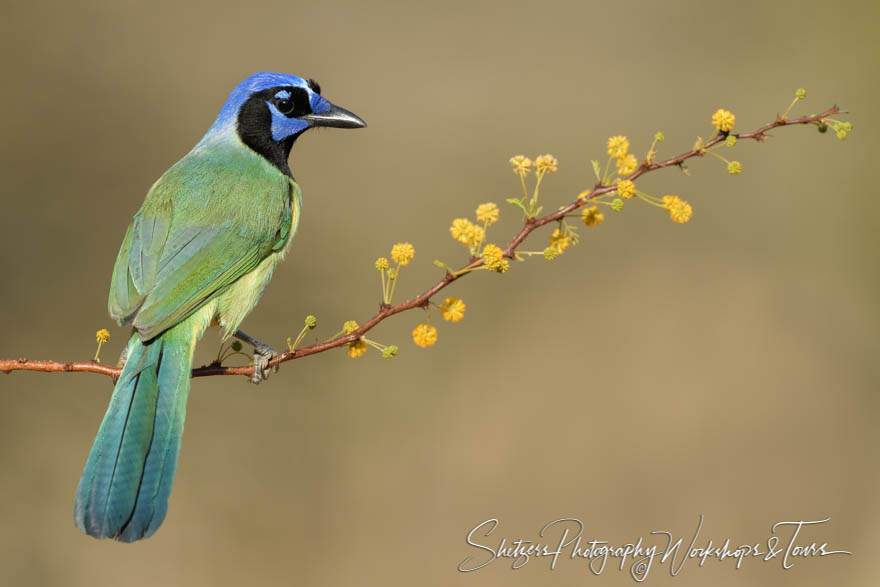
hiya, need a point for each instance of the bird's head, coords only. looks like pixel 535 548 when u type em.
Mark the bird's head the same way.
pixel 268 111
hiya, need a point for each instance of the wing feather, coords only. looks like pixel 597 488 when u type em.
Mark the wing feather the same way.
pixel 205 223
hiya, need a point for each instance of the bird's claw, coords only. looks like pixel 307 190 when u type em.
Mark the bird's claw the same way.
pixel 262 357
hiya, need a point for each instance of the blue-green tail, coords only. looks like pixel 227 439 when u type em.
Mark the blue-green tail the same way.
pixel 123 492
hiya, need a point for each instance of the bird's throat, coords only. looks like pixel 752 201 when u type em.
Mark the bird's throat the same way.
pixel 254 128
pixel 275 152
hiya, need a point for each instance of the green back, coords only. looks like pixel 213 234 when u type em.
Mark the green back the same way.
pixel 206 222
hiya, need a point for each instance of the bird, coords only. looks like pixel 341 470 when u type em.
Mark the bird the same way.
pixel 201 249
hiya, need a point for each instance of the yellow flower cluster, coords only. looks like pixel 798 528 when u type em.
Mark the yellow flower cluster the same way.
pixel 618 146
pixel 551 253
pixel 453 309
pixel 494 259
pixel 492 254
pixel 734 168
pixel 466 232
pixel 521 164
pixel 591 216
pixel 424 335
pixel 562 237
pixel 560 240
pixel 679 210
pixel 626 189
pixel 356 349
pixel 546 164
pixel 842 129
pixel 471 233
pixel 487 213
pixel 626 165
pixel 723 120
pixel 101 336
pixel 402 253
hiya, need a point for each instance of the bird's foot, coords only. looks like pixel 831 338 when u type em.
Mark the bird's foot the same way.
pixel 262 358
pixel 263 355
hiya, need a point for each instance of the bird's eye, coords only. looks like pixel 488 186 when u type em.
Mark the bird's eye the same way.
pixel 284 106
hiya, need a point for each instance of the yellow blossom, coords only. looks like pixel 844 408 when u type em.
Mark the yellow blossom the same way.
pixel 424 335
pixel 551 253
pixel 403 253
pixel 356 349
pixel 500 266
pixel 476 236
pixel 546 163
pixel 492 254
pixel 381 263
pixel 349 327
pixel 453 309
pixel 101 336
pixel 723 120
pixel 591 216
pixel 487 213
pixel 734 168
pixel 679 210
pixel 521 164
pixel 618 146
pixel 559 240
pixel 494 259
pixel 460 229
pixel 627 164
pixel 584 195
pixel 626 189
pixel 466 232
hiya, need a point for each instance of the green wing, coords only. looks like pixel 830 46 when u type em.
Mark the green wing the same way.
pixel 205 223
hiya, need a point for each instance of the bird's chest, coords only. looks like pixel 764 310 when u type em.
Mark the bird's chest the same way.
pixel 239 298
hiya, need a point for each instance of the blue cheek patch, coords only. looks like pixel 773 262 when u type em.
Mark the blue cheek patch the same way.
pixel 318 104
pixel 283 127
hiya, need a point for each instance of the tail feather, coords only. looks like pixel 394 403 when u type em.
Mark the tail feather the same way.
pixel 124 489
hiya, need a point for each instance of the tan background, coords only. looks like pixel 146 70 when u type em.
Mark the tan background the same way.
pixel 657 372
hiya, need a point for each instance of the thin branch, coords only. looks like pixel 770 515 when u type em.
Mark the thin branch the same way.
pixel 424 298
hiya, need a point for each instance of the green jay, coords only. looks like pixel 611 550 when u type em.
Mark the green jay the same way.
pixel 202 247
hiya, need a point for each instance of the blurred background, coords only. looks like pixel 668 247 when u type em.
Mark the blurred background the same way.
pixel 726 367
